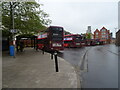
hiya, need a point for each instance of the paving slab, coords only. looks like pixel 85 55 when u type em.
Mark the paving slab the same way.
pixel 32 69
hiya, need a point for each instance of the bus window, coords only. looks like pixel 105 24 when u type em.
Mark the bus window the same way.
pixel 77 39
pixel 57 34
pixel 67 41
pixel 57 39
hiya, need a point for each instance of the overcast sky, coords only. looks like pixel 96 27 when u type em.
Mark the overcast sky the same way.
pixel 76 15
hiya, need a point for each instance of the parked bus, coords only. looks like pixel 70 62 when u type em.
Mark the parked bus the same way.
pixel 51 39
pixel 73 40
pixel 98 42
pixel 83 40
pixel 90 42
pixel 93 42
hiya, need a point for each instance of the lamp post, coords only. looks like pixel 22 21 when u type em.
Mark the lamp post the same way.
pixel 13 31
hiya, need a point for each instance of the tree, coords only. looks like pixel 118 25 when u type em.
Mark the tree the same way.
pixel 28 17
pixel 88 36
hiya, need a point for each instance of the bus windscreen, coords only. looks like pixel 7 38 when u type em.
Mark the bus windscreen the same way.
pixel 57 34
pixel 77 38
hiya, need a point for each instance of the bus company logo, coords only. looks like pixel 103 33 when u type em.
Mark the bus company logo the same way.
pixel 43 35
pixel 68 38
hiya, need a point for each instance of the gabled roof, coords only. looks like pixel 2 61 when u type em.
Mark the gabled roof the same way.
pixel 96 30
pixel 103 28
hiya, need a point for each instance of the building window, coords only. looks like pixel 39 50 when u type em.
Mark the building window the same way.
pixel 103 33
pixel 103 36
pixel 103 30
pixel 96 36
pixel 96 33
pixel 107 36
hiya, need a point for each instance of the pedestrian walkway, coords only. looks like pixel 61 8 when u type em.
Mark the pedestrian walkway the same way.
pixel 32 69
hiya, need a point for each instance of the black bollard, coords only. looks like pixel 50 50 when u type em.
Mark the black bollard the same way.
pixel 42 51
pixel 56 62
pixel 36 48
pixel 51 55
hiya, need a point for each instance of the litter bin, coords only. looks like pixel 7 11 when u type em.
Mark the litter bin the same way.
pixel 12 50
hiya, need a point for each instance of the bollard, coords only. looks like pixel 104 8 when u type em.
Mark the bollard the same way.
pixel 42 51
pixel 56 62
pixel 51 55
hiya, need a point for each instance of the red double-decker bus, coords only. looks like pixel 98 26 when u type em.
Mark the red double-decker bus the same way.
pixel 90 42
pixel 73 40
pixel 51 39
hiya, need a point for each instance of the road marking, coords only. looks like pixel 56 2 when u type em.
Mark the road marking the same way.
pixel 108 50
pixel 112 52
pixel 82 63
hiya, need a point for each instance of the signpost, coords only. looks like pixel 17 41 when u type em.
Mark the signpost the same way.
pixel 12 47
pixel 14 31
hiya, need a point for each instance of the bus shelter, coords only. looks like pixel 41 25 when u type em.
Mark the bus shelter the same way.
pixel 26 40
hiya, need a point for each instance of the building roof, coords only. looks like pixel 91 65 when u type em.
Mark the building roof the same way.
pixel 103 28
pixel 118 31
pixel 96 30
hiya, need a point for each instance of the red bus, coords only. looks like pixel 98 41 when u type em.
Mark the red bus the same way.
pixel 51 39
pixel 73 40
pixel 83 40
pixel 98 42
pixel 90 42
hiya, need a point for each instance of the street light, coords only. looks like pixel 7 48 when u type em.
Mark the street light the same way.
pixel 13 31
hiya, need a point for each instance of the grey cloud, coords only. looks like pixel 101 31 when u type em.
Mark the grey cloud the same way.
pixel 75 17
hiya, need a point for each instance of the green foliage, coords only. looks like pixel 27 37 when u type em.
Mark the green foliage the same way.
pixel 88 36
pixel 26 35
pixel 28 17
pixel 6 33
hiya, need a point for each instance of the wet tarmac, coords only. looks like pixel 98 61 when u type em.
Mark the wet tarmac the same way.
pixel 102 61
pixel 73 55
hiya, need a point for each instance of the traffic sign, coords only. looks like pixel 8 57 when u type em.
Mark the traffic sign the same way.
pixel 14 30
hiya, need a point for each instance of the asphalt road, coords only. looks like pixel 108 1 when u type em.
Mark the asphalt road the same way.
pixel 98 64
pixel 73 55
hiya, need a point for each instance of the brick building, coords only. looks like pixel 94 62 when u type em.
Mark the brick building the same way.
pixel 103 34
pixel 118 38
pixel 96 34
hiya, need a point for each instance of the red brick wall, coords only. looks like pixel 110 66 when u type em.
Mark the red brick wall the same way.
pixel 95 35
pixel 103 35
pixel 118 38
